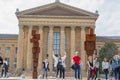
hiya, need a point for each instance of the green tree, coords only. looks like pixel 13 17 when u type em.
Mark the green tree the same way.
pixel 108 50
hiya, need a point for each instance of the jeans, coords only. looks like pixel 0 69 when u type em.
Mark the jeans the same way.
pixel 77 71
pixel 45 73
pixel 117 73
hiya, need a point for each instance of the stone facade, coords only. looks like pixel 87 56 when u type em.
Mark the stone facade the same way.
pixel 9 47
pixel 72 24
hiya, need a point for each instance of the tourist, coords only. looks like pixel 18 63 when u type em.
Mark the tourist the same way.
pixel 45 68
pixel 76 61
pixel 1 61
pixel 105 68
pixel 96 64
pixel 91 68
pixel 111 71
pixel 4 68
pixel 116 62
pixel 59 65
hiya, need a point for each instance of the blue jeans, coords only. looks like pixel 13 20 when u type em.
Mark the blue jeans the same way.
pixel 45 72
pixel 77 71
pixel 117 73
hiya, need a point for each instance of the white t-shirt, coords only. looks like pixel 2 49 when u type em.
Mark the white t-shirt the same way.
pixel 105 65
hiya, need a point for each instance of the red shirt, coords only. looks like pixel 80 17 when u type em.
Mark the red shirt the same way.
pixel 76 60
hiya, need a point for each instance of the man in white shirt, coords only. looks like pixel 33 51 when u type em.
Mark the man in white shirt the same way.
pixel 56 59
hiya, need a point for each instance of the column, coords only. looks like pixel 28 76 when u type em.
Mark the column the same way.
pixel 83 54
pixel 20 48
pixel 29 50
pixel 41 46
pixel 72 42
pixel 12 50
pixel 50 48
pixel 62 36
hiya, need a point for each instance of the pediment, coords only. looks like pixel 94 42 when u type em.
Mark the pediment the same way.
pixel 57 9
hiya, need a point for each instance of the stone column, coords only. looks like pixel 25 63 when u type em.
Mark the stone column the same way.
pixel 41 46
pixel 72 42
pixel 50 48
pixel 12 50
pixel 29 50
pixel 62 36
pixel 20 48
pixel 83 53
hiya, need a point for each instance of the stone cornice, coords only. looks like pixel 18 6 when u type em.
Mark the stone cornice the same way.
pixel 60 17
pixel 57 23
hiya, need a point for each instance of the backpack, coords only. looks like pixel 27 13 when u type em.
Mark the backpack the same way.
pixel 4 66
pixel 59 65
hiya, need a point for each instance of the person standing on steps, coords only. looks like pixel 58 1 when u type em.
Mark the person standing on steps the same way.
pixel 59 65
pixel 1 62
pixel 45 68
pixel 91 68
pixel 4 68
pixel 96 64
pixel 105 67
pixel 116 62
pixel 76 61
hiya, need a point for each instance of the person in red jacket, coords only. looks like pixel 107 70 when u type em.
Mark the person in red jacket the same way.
pixel 76 60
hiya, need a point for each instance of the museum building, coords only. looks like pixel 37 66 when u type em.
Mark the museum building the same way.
pixel 62 28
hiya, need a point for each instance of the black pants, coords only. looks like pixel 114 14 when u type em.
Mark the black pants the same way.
pixel 106 73
pixel 4 71
pixel 61 71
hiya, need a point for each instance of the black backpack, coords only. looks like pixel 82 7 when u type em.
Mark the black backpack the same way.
pixel 59 65
pixel 4 66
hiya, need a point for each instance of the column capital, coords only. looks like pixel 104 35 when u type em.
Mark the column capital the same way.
pixel 51 27
pixel 41 27
pixel 21 26
pixel 72 27
pixel 82 28
pixel 91 26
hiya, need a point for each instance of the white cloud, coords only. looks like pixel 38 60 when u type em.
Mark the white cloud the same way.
pixel 108 20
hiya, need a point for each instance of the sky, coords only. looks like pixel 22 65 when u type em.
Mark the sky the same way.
pixel 107 24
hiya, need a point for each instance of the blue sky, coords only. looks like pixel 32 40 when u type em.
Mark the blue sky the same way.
pixel 108 23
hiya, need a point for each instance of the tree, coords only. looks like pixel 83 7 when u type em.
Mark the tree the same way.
pixel 108 50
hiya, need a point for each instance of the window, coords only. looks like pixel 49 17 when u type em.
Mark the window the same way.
pixel 15 62
pixel 0 50
pixel 56 43
pixel 16 50
pixel 47 45
pixel 8 50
